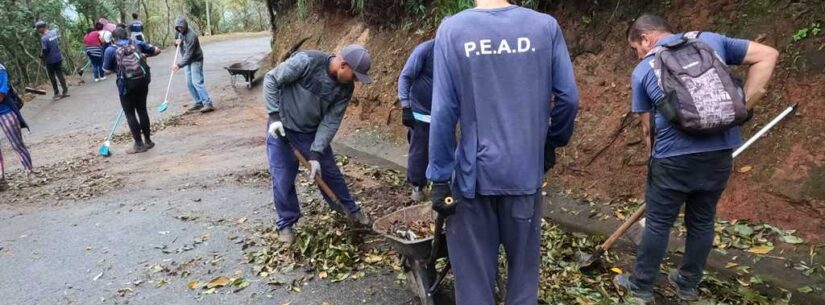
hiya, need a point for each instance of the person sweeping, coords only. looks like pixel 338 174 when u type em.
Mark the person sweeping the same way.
pixel 497 69
pixel 127 58
pixel 415 91
pixel 306 97
pixel 11 121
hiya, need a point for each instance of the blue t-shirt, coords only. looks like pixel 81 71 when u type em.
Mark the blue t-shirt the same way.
pixel 415 84
pixel 4 89
pixel 110 58
pixel 496 72
pixel 669 141
pixel 136 26
pixel 50 45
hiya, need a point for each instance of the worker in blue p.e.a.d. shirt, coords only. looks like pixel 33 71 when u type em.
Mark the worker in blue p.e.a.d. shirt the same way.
pixel 415 91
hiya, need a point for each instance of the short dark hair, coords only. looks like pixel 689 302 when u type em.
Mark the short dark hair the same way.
pixel 98 26
pixel 134 15
pixel 647 23
pixel 120 33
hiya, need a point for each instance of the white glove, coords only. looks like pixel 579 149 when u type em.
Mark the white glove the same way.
pixel 276 129
pixel 315 168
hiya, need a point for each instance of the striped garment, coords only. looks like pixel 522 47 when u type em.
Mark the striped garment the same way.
pixel 95 51
pixel 11 127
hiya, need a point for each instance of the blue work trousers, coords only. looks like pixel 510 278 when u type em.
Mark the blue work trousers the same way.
pixel 419 138
pixel 194 80
pixel 474 234
pixel 696 180
pixel 283 166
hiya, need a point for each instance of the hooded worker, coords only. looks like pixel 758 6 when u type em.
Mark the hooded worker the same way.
pixel 306 97
pixel 191 60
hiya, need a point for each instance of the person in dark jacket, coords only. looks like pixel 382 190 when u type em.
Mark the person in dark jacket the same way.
pixel 415 91
pixel 136 28
pixel 11 121
pixel 306 97
pixel 50 47
pixel 191 60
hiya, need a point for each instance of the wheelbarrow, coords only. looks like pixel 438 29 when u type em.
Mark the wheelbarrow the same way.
pixel 245 69
pixel 418 257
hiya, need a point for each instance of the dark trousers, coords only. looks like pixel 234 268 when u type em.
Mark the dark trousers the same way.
pixel 474 234
pixel 134 107
pixel 696 180
pixel 55 72
pixel 283 166
pixel 418 158
pixel 97 65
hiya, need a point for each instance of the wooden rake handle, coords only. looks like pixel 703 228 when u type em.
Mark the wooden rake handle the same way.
pixel 622 229
pixel 318 180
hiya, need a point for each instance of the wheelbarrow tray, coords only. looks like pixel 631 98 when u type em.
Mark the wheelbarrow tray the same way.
pixel 419 249
pixel 245 69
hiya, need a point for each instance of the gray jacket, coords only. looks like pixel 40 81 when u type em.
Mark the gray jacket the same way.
pixel 190 48
pixel 306 98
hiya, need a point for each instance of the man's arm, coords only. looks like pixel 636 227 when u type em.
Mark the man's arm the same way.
pixel 566 95
pixel 286 72
pixel 44 46
pixel 444 115
pixel 328 128
pixel 188 49
pixel 411 69
pixel 109 65
pixel 762 59
pixel 645 117
pixel 148 49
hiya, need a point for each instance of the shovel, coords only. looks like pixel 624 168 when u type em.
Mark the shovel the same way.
pixel 165 105
pixel 104 149
pixel 590 262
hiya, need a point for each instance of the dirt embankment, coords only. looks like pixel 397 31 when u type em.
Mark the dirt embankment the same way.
pixel 785 184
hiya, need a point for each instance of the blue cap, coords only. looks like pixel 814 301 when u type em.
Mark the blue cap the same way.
pixel 358 58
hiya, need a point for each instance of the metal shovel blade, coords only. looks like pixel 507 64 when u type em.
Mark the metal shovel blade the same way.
pixel 163 106
pixel 591 262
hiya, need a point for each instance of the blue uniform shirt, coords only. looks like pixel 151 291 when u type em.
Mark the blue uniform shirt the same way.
pixel 50 45
pixel 669 141
pixel 4 89
pixel 136 26
pixel 496 73
pixel 110 58
pixel 415 85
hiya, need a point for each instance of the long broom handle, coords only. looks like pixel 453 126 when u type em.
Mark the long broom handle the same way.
pixel 115 124
pixel 168 86
pixel 764 130
pixel 638 214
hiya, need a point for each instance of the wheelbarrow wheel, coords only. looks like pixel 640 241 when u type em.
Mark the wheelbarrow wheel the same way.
pixel 419 280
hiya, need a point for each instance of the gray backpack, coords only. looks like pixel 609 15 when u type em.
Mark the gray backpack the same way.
pixel 701 95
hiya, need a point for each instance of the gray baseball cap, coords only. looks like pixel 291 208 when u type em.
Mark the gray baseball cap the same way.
pixel 357 57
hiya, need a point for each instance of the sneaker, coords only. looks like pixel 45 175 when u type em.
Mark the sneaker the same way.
pixel 56 97
pixel 417 195
pixel 103 78
pixel 149 145
pixel 286 236
pixel 196 107
pixel 361 217
pixel 633 296
pixel 3 185
pixel 137 148
pixel 97 80
pixel 686 294
pixel 207 108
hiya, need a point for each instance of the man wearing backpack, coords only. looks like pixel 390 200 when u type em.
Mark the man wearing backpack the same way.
pixel 11 122
pixel 127 58
pixel 191 60
pixel 52 57
pixel 697 105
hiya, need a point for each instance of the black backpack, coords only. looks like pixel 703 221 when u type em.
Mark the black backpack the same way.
pixel 131 64
pixel 701 95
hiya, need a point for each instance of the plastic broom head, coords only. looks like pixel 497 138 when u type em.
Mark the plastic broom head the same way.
pixel 104 149
pixel 163 106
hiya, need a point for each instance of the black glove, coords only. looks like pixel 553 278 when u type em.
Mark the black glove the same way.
pixel 549 156
pixel 407 117
pixel 439 196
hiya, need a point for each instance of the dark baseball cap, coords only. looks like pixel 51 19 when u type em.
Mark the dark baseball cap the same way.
pixel 358 58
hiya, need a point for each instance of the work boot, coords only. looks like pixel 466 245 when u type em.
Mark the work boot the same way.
pixel 149 144
pixel 207 108
pixel 417 195
pixel 286 236
pixel 196 107
pixel 3 185
pixel 631 291
pixel 685 292
pixel 137 148
pixel 361 217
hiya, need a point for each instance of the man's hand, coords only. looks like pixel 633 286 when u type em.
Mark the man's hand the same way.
pixel 439 196
pixel 314 169
pixel 177 42
pixel 175 68
pixel 549 156
pixel 407 118
pixel 276 129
